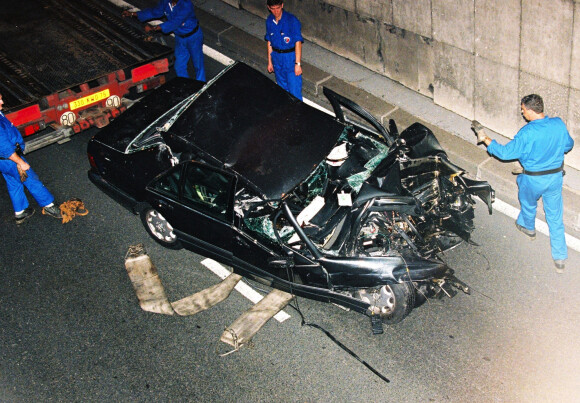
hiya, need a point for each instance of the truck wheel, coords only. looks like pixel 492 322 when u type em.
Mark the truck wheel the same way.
pixel 159 229
pixel 392 302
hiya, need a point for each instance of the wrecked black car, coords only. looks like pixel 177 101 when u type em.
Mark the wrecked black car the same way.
pixel 332 208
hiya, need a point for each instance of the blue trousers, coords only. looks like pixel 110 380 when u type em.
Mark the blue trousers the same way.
pixel 549 188
pixel 186 48
pixel 284 70
pixel 16 188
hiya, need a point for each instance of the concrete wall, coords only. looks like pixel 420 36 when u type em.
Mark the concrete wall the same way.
pixel 474 57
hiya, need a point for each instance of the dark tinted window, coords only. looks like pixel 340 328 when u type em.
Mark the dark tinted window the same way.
pixel 168 184
pixel 206 190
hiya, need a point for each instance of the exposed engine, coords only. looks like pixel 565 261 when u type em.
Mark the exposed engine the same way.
pixel 395 204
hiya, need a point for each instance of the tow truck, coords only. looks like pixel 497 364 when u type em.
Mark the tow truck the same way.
pixel 68 65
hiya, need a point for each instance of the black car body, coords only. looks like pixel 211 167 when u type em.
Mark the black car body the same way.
pixel 333 208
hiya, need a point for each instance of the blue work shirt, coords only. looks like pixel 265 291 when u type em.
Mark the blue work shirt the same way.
pixel 181 18
pixel 539 146
pixel 9 136
pixel 285 33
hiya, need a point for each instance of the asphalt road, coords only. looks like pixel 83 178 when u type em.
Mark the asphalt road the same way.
pixel 71 328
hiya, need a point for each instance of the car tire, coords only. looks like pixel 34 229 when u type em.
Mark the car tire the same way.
pixel 404 302
pixel 158 228
pixel 393 302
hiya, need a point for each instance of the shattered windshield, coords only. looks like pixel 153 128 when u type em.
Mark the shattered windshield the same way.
pixel 362 154
pixel 356 180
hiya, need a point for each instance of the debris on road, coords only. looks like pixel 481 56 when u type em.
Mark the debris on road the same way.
pixel 152 298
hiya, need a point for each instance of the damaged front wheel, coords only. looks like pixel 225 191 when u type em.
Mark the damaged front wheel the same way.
pixel 392 302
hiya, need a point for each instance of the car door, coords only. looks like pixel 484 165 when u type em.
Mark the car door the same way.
pixel 256 251
pixel 253 252
pixel 198 202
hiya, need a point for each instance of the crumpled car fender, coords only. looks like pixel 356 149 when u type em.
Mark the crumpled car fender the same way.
pixel 380 270
pixel 421 141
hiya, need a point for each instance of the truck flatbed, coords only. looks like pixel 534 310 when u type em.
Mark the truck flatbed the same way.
pixel 67 47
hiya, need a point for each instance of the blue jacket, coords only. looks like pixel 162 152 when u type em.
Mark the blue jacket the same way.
pixel 181 18
pixel 9 136
pixel 540 145
pixel 286 33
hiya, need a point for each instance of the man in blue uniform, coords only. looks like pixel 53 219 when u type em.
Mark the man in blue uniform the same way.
pixel 17 173
pixel 540 147
pixel 182 22
pixel 284 48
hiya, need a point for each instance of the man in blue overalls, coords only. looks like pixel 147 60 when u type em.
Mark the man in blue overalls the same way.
pixel 17 173
pixel 284 48
pixel 540 147
pixel 181 20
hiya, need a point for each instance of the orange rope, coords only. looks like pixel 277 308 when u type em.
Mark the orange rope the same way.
pixel 71 208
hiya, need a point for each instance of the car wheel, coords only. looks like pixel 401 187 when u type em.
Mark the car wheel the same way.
pixel 159 229
pixel 392 302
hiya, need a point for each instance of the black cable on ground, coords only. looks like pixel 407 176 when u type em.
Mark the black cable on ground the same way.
pixel 290 274
pixel 328 334
pixel 338 343
pixel 478 251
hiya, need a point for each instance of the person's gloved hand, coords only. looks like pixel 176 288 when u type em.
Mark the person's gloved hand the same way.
pixel 478 129
pixel 128 13
pixel 22 172
pixel 152 28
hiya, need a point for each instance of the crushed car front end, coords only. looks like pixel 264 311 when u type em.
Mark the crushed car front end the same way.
pixel 376 216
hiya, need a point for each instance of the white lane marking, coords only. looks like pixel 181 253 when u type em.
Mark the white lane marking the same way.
pixel 241 287
pixel 541 226
pixel 220 57
pixel 315 105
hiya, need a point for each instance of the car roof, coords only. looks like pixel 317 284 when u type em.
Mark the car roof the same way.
pixel 260 131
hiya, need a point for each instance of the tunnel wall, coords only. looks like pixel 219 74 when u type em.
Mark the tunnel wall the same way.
pixel 476 58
